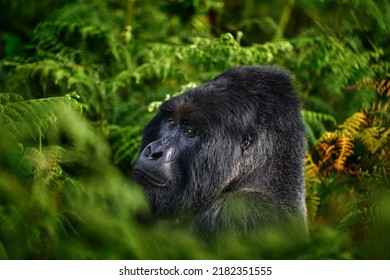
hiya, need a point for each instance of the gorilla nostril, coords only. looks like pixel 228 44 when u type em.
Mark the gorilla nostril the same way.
pixel 155 156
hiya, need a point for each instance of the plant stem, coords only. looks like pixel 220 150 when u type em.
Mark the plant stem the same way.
pixel 284 19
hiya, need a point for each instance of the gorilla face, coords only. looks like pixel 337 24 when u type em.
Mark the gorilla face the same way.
pixel 158 163
pixel 177 138
pixel 239 134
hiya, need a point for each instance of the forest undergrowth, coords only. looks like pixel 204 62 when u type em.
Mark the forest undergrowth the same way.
pixel 80 79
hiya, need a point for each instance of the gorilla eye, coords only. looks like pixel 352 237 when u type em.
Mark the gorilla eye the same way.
pixel 172 123
pixel 190 132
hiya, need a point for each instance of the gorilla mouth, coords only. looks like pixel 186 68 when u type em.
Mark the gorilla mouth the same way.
pixel 157 182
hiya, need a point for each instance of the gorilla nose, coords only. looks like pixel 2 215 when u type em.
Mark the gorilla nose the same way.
pixel 153 152
pixel 157 153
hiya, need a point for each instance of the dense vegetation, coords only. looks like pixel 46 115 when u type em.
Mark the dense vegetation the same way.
pixel 79 80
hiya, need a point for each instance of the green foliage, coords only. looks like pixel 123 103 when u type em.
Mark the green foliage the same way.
pixel 32 116
pixel 80 79
pixel 56 204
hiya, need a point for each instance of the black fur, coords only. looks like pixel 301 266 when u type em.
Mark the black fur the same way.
pixel 229 153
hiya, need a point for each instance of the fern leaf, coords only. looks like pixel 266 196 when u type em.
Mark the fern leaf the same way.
pixel 318 117
pixel 370 137
pixel 9 97
pixel 311 170
pixel 327 151
pixel 328 136
pixel 351 126
pixel 44 165
pixel 383 140
pixel 311 177
pixel 31 116
pixel 345 149
pixel 315 123
pixel 311 137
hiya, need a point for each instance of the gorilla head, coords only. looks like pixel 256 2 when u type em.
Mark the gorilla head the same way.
pixel 229 153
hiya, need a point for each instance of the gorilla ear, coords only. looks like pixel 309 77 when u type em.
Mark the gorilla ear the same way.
pixel 246 143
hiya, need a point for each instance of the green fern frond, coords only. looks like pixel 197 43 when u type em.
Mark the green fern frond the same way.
pixel 316 124
pixel 316 104
pixel 316 117
pixel 375 138
pixel 311 177
pixel 45 165
pixel 9 97
pixel 162 61
pixel 33 116
pixel 383 140
pixel 369 137
pixel 310 134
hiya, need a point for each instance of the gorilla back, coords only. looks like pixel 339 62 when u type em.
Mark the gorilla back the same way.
pixel 228 154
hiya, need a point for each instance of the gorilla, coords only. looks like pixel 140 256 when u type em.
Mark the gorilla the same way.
pixel 227 156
